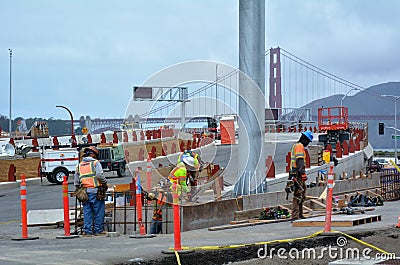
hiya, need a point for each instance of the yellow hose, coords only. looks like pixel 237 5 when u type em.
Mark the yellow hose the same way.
pixel 177 257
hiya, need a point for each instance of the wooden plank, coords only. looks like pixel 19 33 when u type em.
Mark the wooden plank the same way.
pixel 337 220
pixel 307 210
pixel 251 223
pixel 238 222
pixel 318 203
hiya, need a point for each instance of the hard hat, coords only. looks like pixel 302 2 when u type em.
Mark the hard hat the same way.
pixel 309 135
pixel 91 149
pixel 151 196
pixel 190 161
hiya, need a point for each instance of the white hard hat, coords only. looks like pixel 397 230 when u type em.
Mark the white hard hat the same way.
pixel 188 160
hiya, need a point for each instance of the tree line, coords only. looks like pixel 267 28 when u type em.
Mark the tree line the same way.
pixel 56 127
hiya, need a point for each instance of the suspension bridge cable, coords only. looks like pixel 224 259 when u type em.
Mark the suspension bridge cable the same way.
pixel 321 70
pixel 327 75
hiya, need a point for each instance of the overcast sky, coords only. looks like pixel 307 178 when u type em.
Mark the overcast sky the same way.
pixel 88 54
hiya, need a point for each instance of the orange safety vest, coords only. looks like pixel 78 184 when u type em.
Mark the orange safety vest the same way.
pixel 296 153
pixel 87 174
pixel 157 213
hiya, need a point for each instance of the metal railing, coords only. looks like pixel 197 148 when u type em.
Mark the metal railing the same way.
pixel 390 184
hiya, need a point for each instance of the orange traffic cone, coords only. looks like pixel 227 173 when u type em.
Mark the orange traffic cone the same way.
pixel 398 222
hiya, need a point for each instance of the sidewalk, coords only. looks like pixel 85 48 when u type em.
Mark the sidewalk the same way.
pixel 125 250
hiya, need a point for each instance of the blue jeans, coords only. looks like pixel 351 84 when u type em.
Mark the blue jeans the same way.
pixel 93 211
pixel 156 227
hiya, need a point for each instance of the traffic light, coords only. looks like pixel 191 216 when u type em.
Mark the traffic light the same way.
pixel 381 128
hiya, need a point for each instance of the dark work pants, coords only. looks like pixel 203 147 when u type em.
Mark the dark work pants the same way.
pixel 299 196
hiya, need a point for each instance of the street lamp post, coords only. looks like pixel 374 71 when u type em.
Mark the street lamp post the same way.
pixel 9 122
pixel 341 101
pixel 216 89
pixel 72 120
pixel 395 98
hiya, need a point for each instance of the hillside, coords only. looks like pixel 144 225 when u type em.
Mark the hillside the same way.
pixel 368 102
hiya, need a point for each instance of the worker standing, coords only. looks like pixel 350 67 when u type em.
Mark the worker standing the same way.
pixel 297 173
pixel 89 174
pixel 158 203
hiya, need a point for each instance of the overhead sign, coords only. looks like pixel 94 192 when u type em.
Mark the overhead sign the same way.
pixel 84 130
pixel 142 92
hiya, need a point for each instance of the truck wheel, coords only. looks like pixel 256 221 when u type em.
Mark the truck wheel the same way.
pixel 121 171
pixel 58 175
pixel 50 178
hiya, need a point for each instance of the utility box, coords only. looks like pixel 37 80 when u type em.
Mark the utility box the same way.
pixel 227 126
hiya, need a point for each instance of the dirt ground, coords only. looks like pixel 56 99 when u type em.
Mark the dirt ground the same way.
pixel 387 240
pixel 27 166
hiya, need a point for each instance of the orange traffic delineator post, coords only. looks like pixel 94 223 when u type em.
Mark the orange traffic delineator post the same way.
pixel 398 222
pixel 67 229
pixel 177 223
pixel 148 172
pixel 328 215
pixel 24 217
pixel 139 213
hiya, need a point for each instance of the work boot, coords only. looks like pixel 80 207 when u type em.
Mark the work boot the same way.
pixel 302 217
pixel 86 235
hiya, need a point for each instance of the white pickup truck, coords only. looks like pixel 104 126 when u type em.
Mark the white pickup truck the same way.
pixel 55 164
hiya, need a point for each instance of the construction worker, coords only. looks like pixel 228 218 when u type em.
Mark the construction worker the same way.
pixel 178 175
pixel 89 173
pixel 297 173
pixel 192 172
pixel 159 202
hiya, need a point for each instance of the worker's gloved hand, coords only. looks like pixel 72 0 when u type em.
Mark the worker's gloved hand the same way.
pixel 101 192
pixel 105 186
pixel 304 177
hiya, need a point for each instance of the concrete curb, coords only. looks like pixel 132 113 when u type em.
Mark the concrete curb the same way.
pixel 9 185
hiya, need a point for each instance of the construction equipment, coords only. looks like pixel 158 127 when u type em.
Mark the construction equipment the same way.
pixel 39 129
pixel 335 122
pixel 112 158
pixel 55 164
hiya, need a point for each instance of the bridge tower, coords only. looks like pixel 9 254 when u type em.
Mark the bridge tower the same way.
pixel 275 82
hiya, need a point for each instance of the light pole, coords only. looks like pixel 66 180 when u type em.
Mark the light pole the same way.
pixel 72 120
pixel 216 89
pixel 9 122
pixel 395 98
pixel 341 101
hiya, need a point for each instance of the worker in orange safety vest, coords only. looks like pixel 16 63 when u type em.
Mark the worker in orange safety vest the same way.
pixel 298 175
pixel 158 203
pixel 89 173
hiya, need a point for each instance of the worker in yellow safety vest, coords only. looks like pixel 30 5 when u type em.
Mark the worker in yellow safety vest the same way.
pixel 178 175
pixel 89 174
pixel 297 173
